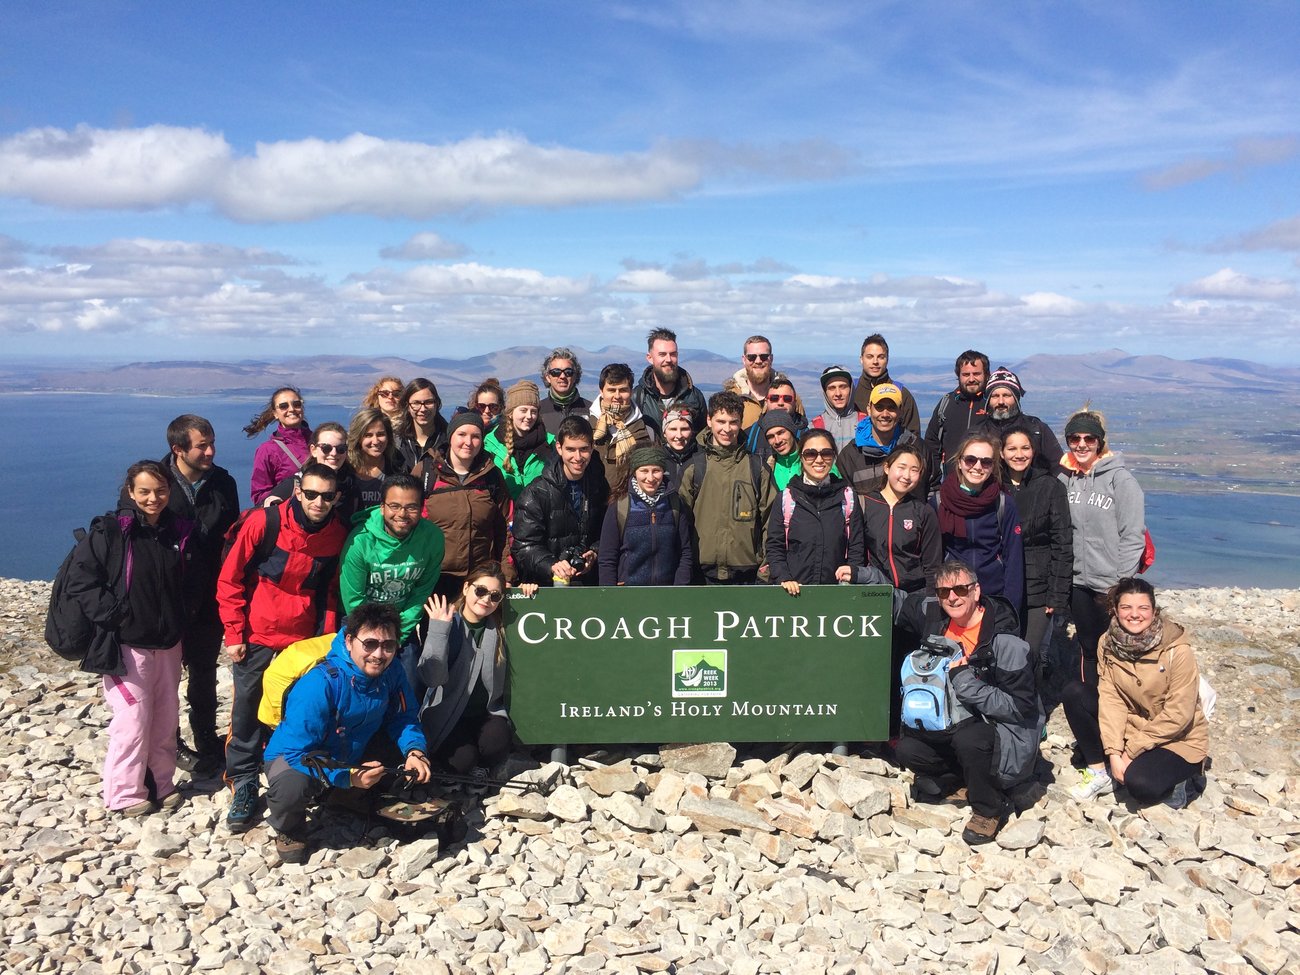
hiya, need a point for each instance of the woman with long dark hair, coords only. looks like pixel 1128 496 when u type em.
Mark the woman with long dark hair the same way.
pixel 420 424
pixel 289 445
pixel 903 539
pixel 979 521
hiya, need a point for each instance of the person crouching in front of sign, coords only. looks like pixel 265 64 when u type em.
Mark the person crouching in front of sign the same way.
pixel 730 493
pixel 558 516
pixel 463 665
pixel 648 538
pixel 335 713
pixel 994 747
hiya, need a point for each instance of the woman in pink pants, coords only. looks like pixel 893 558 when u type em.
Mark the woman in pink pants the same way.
pixel 129 575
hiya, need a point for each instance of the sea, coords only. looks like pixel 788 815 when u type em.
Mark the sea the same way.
pixel 65 454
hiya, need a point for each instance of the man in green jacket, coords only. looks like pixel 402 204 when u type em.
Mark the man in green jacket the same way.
pixel 395 557
pixel 730 492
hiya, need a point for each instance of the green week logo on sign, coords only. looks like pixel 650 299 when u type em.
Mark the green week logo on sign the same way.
pixel 699 673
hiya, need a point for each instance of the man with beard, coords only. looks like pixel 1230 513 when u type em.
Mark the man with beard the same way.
pixel 875 372
pixel 561 373
pixel 862 460
pixel 618 425
pixel 752 380
pixel 1004 395
pixel 664 385
pixel 962 410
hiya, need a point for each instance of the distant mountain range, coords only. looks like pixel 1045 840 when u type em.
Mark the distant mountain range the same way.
pixel 346 377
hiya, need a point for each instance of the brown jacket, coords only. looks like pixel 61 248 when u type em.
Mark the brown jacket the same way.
pixel 1153 702
pixel 472 515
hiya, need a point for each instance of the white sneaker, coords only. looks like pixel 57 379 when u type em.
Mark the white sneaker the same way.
pixel 1092 783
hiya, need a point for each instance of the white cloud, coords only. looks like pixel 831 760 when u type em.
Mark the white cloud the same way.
pixel 1046 303
pixel 425 246
pixel 1227 283
pixel 657 280
pixel 432 280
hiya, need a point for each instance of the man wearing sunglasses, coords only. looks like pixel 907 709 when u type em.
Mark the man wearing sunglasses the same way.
pixel 995 748
pixel 276 587
pixel 561 373
pixel 353 709
pixel 752 381
pixel 665 385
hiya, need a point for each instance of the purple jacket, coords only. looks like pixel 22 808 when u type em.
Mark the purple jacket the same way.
pixel 272 463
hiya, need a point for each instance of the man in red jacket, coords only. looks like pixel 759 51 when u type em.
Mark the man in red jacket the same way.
pixel 270 597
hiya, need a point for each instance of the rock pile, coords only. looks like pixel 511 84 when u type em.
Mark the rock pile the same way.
pixel 694 858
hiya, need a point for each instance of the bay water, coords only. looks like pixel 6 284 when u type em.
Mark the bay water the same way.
pixel 63 456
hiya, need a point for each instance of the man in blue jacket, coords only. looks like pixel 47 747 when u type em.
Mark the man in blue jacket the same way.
pixel 332 713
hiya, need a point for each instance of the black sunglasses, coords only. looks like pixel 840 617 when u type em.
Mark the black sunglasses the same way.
pixel 323 495
pixel 491 595
pixel 331 448
pixel 758 356
pixel 556 373
pixel 962 591
pixel 292 404
pixel 970 460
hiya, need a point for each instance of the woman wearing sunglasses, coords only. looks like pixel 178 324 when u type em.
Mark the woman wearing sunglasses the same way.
pixel 979 522
pixel 815 535
pixel 486 400
pixel 1108 515
pixel 386 395
pixel 463 666
pixel 288 447
pixel 329 446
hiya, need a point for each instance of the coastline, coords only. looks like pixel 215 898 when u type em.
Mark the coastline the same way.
pixel 771 860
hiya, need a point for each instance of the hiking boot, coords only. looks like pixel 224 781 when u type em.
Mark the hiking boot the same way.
pixel 186 757
pixel 171 801
pixel 290 849
pixel 142 808
pixel 1178 798
pixel 1092 783
pixel 242 814
pixel 210 764
pixel 981 829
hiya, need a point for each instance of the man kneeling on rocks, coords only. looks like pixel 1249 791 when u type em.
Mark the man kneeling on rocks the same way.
pixel 996 746
pixel 332 716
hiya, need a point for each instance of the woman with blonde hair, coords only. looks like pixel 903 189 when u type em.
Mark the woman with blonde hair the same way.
pixel 386 395
pixel 520 444
pixel 288 447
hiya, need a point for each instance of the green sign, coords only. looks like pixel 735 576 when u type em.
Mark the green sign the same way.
pixel 709 663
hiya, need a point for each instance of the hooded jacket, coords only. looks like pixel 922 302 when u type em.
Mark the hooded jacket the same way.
pixel 546 524
pixel 291 596
pixel 379 568
pixel 903 541
pixel 840 425
pixel 336 709
pixel 996 683
pixel 908 416
pixel 821 535
pixel 271 462
pixel 1153 702
pixel 653 403
pixel 451 666
pixel 1047 537
pixel 731 509
pixel 1108 514
pixel 518 476
pixel 472 513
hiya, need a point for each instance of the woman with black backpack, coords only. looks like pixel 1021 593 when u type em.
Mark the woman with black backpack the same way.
pixel 127 578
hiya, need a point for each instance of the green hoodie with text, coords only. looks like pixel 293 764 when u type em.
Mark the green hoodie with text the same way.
pixel 379 568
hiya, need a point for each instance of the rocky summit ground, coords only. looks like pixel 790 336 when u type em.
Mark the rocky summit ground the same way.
pixel 694 859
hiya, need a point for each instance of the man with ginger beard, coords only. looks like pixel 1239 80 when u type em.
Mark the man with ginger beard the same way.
pixel 752 380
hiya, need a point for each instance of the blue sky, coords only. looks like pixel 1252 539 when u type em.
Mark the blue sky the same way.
pixel 240 179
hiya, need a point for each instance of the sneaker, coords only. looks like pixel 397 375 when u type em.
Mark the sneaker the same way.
pixel 981 829
pixel 171 801
pixel 142 808
pixel 1092 783
pixel 243 808
pixel 291 850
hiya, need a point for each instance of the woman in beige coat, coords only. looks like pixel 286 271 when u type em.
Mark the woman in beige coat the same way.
pixel 1153 732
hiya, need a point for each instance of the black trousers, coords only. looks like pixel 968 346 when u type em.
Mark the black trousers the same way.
pixel 966 753
pixel 1081 707
pixel 1153 774
pixel 200 648
pixel 247 736
pixel 1091 619
pixel 289 792
pixel 482 741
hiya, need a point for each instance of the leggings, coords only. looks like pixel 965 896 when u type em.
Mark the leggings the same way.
pixel 1091 618
pixel 1154 774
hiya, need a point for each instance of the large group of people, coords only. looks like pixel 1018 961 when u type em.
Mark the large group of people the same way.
pixel 401 531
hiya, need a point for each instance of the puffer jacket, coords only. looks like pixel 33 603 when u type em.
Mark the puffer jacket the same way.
pixel 1108 513
pixel 546 524
pixel 1047 537
pixel 472 513
pixel 820 536
pixel 1153 702
pixel 997 682
pixel 731 505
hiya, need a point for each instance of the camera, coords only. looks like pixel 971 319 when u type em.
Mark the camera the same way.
pixel 577 558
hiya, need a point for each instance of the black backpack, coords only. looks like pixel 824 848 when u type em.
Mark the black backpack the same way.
pixel 264 548
pixel 68 631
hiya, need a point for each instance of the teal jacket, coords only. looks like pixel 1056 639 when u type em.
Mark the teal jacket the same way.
pixel 379 568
